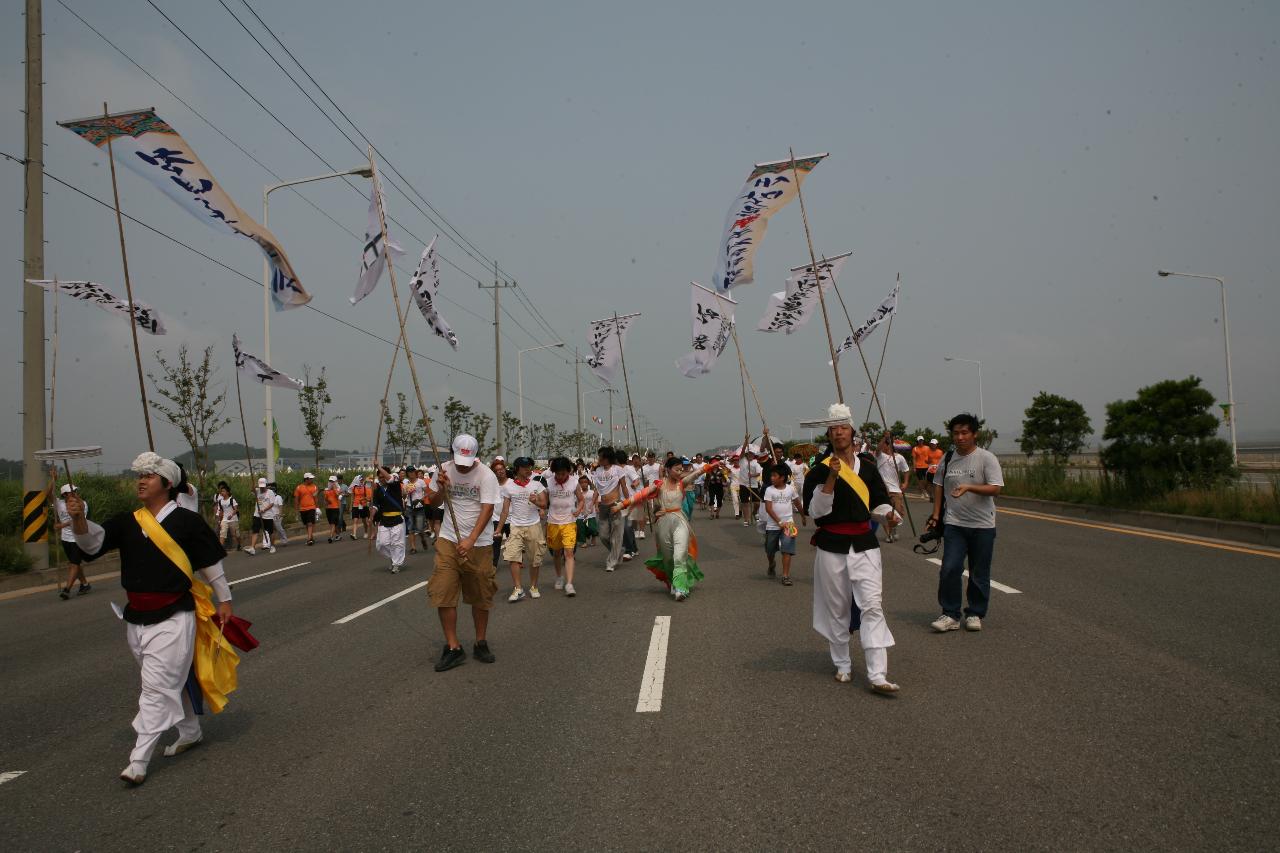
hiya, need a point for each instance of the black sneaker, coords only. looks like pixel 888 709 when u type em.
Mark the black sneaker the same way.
pixel 84 589
pixel 449 658
pixel 64 593
pixel 480 651
pixel 772 570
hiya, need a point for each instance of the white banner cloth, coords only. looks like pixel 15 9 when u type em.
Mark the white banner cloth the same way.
pixel 146 317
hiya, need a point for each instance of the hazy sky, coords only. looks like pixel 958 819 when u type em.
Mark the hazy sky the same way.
pixel 1026 167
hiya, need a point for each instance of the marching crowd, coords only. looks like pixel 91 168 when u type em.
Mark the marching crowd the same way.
pixel 475 516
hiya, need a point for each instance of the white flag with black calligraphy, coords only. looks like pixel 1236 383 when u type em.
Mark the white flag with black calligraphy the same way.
pixel 884 311
pixel 792 308
pixel 146 317
pixel 712 318
pixel 608 336
pixel 373 261
pixel 259 371
pixel 426 286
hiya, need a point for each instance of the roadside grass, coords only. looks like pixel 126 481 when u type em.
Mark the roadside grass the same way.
pixel 1229 501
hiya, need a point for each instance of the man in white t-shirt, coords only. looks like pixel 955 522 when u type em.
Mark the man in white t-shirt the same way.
pixel 564 503
pixel 264 515
pixel 523 498
pixel 226 514
pixel 464 556
pixel 611 486
pixel 635 516
pixel 893 470
pixel 67 537
pixel 747 478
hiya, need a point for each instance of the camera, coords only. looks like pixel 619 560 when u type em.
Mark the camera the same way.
pixel 931 535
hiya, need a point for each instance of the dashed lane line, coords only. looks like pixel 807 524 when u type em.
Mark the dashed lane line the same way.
pixel 655 667
pixel 363 610
pixel 1167 537
pixel 272 572
pixel 10 775
pixel 994 584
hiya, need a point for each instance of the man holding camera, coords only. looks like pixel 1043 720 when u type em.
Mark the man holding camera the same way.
pixel 965 487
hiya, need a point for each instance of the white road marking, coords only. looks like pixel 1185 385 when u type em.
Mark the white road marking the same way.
pixel 363 610
pixel 994 584
pixel 655 667
pixel 10 775
pixel 272 572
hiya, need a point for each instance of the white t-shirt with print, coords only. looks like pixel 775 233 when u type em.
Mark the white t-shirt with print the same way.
pixel 891 468
pixel 66 534
pixel 561 500
pixel 523 512
pixel 469 491
pixel 748 474
pixel 782 507
pixel 589 499
pixel 652 472
pixel 229 507
pixel 606 480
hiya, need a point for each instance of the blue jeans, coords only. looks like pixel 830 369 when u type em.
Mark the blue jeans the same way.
pixel 978 544
pixel 417 521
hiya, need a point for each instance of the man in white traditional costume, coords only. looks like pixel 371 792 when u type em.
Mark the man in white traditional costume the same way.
pixel 843 492
pixel 388 512
pixel 184 659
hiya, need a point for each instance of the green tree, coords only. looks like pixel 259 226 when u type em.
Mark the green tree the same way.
pixel 458 415
pixel 1055 426
pixel 515 434
pixel 899 430
pixel 313 401
pixel 872 429
pixel 1166 438
pixel 403 432
pixel 191 403
pixel 481 423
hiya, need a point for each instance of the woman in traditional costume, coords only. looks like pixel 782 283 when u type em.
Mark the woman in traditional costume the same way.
pixel 676 562
pixel 186 661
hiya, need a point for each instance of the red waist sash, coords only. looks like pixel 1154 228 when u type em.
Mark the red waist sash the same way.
pixel 847 528
pixel 144 601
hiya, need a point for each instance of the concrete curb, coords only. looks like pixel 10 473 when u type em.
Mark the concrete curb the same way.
pixel 1267 535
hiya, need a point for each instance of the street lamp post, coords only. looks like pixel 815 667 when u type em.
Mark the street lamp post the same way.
pixel 1226 345
pixel 270 450
pixel 981 415
pixel 520 379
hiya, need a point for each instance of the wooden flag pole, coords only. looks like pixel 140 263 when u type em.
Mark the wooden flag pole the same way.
pixel 382 414
pixel 804 216
pixel 402 316
pixel 53 382
pixel 880 366
pixel 128 287
pixel 626 383
pixel 244 428
pixel 875 397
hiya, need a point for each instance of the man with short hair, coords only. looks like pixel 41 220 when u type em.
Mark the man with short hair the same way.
pixel 920 461
pixel 522 499
pixel 464 558
pixel 75 557
pixel 967 482
pixel 226 512
pixel 264 524
pixel 893 470
pixel 388 513
pixel 414 491
pixel 610 483
pixel 564 502
pixel 748 478
pixel 304 498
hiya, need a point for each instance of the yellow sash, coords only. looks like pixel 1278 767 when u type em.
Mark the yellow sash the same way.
pixel 853 480
pixel 214 658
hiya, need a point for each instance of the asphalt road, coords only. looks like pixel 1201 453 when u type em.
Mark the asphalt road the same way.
pixel 1127 696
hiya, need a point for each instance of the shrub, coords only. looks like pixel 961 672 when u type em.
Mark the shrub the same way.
pixel 13 556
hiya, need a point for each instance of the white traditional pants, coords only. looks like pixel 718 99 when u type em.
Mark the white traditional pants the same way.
pixel 163 652
pixel 839 579
pixel 735 498
pixel 390 543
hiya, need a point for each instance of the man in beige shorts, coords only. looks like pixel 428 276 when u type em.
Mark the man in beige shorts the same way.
pixel 522 498
pixel 464 552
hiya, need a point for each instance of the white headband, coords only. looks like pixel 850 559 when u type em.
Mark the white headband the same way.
pixel 154 463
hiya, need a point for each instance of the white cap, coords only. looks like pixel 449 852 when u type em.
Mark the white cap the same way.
pixel 499 459
pixel 308 476
pixel 262 482
pixel 465 449
pixel 933 441
pixel 66 488
pixel 333 478
pixel 919 438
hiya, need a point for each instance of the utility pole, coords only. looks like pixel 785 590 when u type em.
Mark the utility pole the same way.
pixel 577 386
pixel 34 504
pixel 497 287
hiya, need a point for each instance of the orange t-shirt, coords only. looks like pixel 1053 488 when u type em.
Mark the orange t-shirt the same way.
pixel 359 495
pixel 305 495
pixel 935 456
pixel 920 456
pixel 332 498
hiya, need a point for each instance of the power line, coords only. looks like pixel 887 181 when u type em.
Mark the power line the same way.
pixel 254 281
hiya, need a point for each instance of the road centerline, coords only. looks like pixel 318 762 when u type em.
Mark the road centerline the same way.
pixel 655 667
pixel 272 572
pixel 10 775
pixel 390 598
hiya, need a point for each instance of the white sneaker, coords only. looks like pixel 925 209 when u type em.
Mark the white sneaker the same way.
pixel 250 551
pixel 945 623
pixel 516 595
pixel 626 558
pixel 639 534
pixel 271 550
pixel 844 677
pixel 395 570
pixel 534 593
pixel 180 746
pixel 972 623
pixel 678 595
pixel 135 773
pixel 569 591
pixel 608 568
pixel 559 583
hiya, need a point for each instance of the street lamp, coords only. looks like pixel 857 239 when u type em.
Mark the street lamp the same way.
pixel 361 171
pixel 1226 345
pixel 520 376
pixel 981 417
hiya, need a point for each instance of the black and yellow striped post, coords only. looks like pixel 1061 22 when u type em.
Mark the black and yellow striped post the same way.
pixel 35 517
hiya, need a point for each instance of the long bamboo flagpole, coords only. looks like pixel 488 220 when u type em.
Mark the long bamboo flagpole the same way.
pixel 244 429
pixel 53 382
pixel 128 287
pixel 804 216
pixel 404 341
pixel 626 383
